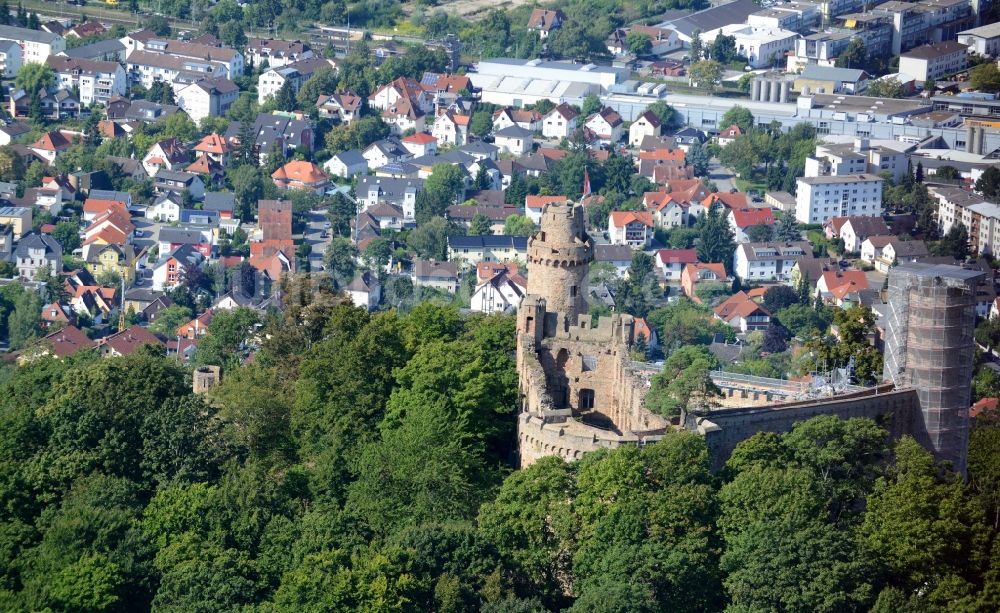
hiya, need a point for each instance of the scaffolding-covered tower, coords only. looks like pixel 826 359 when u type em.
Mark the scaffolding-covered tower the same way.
pixel 930 347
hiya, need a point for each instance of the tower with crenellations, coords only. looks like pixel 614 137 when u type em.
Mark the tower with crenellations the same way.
pixel 559 257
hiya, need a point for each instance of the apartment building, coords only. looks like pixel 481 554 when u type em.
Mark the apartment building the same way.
pixel 934 61
pixel 296 74
pixel 818 199
pixel 925 21
pixel 97 81
pixel 10 59
pixel 36 45
pixel 980 217
pixel 855 158
pixel 276 53
pixel 164 60
pixel 770 261
pixel 207 97
pixel 984 40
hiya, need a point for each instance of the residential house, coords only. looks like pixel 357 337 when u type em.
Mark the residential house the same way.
pixel 560 122
pixel 347 164
pixel 144 111
pixel 342 106
pixel 97 81
pixel 173 266
pixel 171 239
pixel 197 327
pixel 729 135
pixel 535 205
pixel 85 29
pixel 854 230
pixel 663 165
pixel 671 263
pixel 208 168
pixel 166 207
pixel 884 252
pixel 697 272
pixel 685 137
pixel 647 124
pixel 607 125
pixel 6 242
pixel 514 140
pixel 742 219
pixel 276 52
pixel 506 117
pixel 221 203
pixel 742 312
pixel 36 252
pixel 835 285
pixel 420 144
pixel 11 131
pixel 500 293
pixel 769 261
pixel 632 228
pixel 56 314
pixel 114 226
pixel 545 21
pixel 384 152
pixel 437 275
pixel 301 175
pixel 402 116
pixel 17 218
pixel 56 104
pixel 470 250
pixel 127 342
pixel 401 193
pixel 110 258
pixel 111 50
pixel 207 97
pixel 53 144
pixel 617 256
pixel 463 214
pixel 278 133
pixel 168 153
pixel 402 88
pixel 365 290
pixel 451 128
pixel 60 344
pixel 179 181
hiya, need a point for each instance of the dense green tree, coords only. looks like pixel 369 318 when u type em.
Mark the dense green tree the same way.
pixel 480 225
pixel 430 239
pixel 738 115
pixel 33 76
pixel 698 158
pixel 444 187
pixel 518 225
pixel 340 260
pixel 67 233
pixel 988 183
pixel 715 239
pixel 706 74
pixel 985 77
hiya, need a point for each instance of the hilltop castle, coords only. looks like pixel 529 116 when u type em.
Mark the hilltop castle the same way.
pixel 581 392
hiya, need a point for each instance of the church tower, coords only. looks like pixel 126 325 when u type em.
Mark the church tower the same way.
pixel 559 257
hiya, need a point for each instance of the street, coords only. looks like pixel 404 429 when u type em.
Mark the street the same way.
pixel 722 176
pixel 314 237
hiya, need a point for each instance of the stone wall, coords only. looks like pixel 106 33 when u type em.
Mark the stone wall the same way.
pixel 723 429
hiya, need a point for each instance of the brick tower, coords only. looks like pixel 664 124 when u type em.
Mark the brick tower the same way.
pixel 559 256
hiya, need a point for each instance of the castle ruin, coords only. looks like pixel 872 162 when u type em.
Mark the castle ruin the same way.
pixel 580 391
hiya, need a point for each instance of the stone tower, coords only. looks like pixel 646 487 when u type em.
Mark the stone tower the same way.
pixel 559 256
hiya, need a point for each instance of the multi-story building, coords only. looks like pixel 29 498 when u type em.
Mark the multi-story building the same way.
pixel 97 81
pixel 401 193
pixel 934 61
pixel 36 45
pixel 295 74
pixel 207 97
pixel 925 21
pixel 36 252
pixel 10 59
pixel 763 46
pixel 164 60
pixel 771 261
pixel 276 53
pixel 818 199
pixel 980 217
pixel 470 250
pixel 855 158
pixel 794 16
pixel 984 40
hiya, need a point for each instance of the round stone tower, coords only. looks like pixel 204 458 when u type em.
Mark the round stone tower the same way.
pixel 558 259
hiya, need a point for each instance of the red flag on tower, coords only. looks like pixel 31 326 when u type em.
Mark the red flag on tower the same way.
pixel 586 183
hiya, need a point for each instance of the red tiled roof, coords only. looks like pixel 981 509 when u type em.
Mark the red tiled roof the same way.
pixel 746 218
pixel 420 138
pixel 539 202
pixel 213 143
pixel 677 256
pixel 301 171
pixel 623 218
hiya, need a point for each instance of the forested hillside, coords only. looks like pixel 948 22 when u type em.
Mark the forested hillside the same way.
pixel 362 463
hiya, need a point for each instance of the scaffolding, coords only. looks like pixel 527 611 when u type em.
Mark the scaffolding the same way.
pixel 929 347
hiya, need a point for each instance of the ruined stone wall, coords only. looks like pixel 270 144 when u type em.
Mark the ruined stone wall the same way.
pixel 723 429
